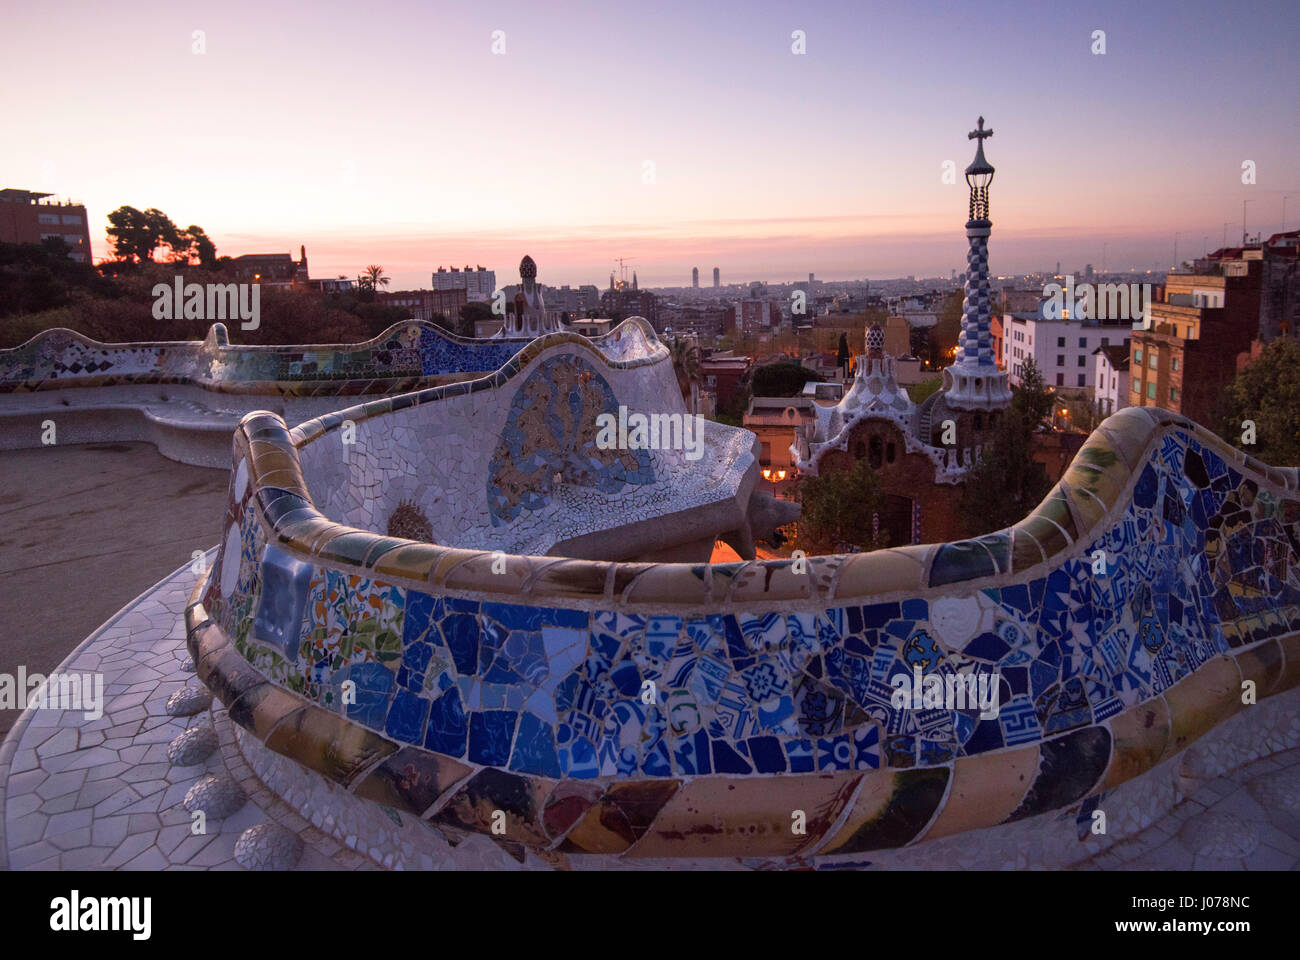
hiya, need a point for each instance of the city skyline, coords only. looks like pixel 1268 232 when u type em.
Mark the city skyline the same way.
pixel 261 140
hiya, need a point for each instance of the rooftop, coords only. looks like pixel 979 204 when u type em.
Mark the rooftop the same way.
pixel 1117 355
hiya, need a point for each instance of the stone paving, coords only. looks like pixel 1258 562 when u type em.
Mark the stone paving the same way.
pixel 117 792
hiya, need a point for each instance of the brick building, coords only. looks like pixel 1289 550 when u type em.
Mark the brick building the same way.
pixel 1188 350
pixel 271 269
pixel 28 217
pixel 427 304
pixel 724 375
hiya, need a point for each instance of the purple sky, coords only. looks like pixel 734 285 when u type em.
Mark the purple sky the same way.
pixel 391 133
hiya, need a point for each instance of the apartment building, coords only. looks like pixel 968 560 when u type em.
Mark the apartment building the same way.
pixel 1187 349
pixel 479 283
pixel 29 217
pixel 1062 349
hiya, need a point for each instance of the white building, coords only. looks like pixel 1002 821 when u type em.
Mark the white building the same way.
pixel 478 284
pixel 1061 349
pixel 1111 377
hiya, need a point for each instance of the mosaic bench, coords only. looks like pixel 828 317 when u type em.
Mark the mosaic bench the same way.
pixel 684 710
pixel 186 397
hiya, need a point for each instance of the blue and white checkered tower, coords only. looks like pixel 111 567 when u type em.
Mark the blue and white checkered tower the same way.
pixel 974 381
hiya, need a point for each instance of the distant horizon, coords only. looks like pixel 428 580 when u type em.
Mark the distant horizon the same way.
pixel 1008 255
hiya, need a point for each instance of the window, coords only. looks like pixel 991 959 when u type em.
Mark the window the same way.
pixel 1083 343
pixel 889 453
pixel 1114 382
pixel 1083 379
pixel 1105 341
pixel 47 218
pixel 1060 360
pixel 1174 362
pixel 1137 355
pixel 71 219
pixel 1136 386
pixel 1151 360
pixel 875 455
pixel 1060 341
pixel 1173 394
pixel 1151 389
pixel 1060 379
pixel 1083 361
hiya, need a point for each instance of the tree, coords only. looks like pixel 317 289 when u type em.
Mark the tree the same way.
pixel 1006 481
pixel 198 247
pixel 137 234
pixel 41 276
pixel 473 313
pixel 782 379
pixel 686 365
pixel 1032 397
pixel 838 511
pixel 375 278
pixel 1267 393
pixel 130 234
pixel 842 354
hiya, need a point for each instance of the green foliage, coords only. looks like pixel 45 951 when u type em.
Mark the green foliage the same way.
pixel 1007 482
pixel 199 247
pixel 782 379
pixel 920 391
pixel 1032 398
pixel 39 276
pixel 476 311
pixel 1267 392
pixel 837 511
pixel 136 235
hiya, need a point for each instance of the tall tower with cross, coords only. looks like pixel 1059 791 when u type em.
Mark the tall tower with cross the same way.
pixel 974 381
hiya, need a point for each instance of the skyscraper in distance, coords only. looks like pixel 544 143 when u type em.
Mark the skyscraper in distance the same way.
pixel 695 277
pixel 717 278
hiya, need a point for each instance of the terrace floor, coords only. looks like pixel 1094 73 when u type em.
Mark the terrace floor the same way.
pixel 82 532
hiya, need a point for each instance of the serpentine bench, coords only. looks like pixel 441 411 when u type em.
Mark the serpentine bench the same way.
pixel 650 710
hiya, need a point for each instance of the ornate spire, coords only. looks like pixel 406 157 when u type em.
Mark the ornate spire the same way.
pixel 974 381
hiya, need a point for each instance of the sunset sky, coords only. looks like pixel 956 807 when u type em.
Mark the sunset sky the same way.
pixel 390 133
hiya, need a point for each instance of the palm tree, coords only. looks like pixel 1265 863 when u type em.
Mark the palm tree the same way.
pixel 375 277
pixel 686 365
